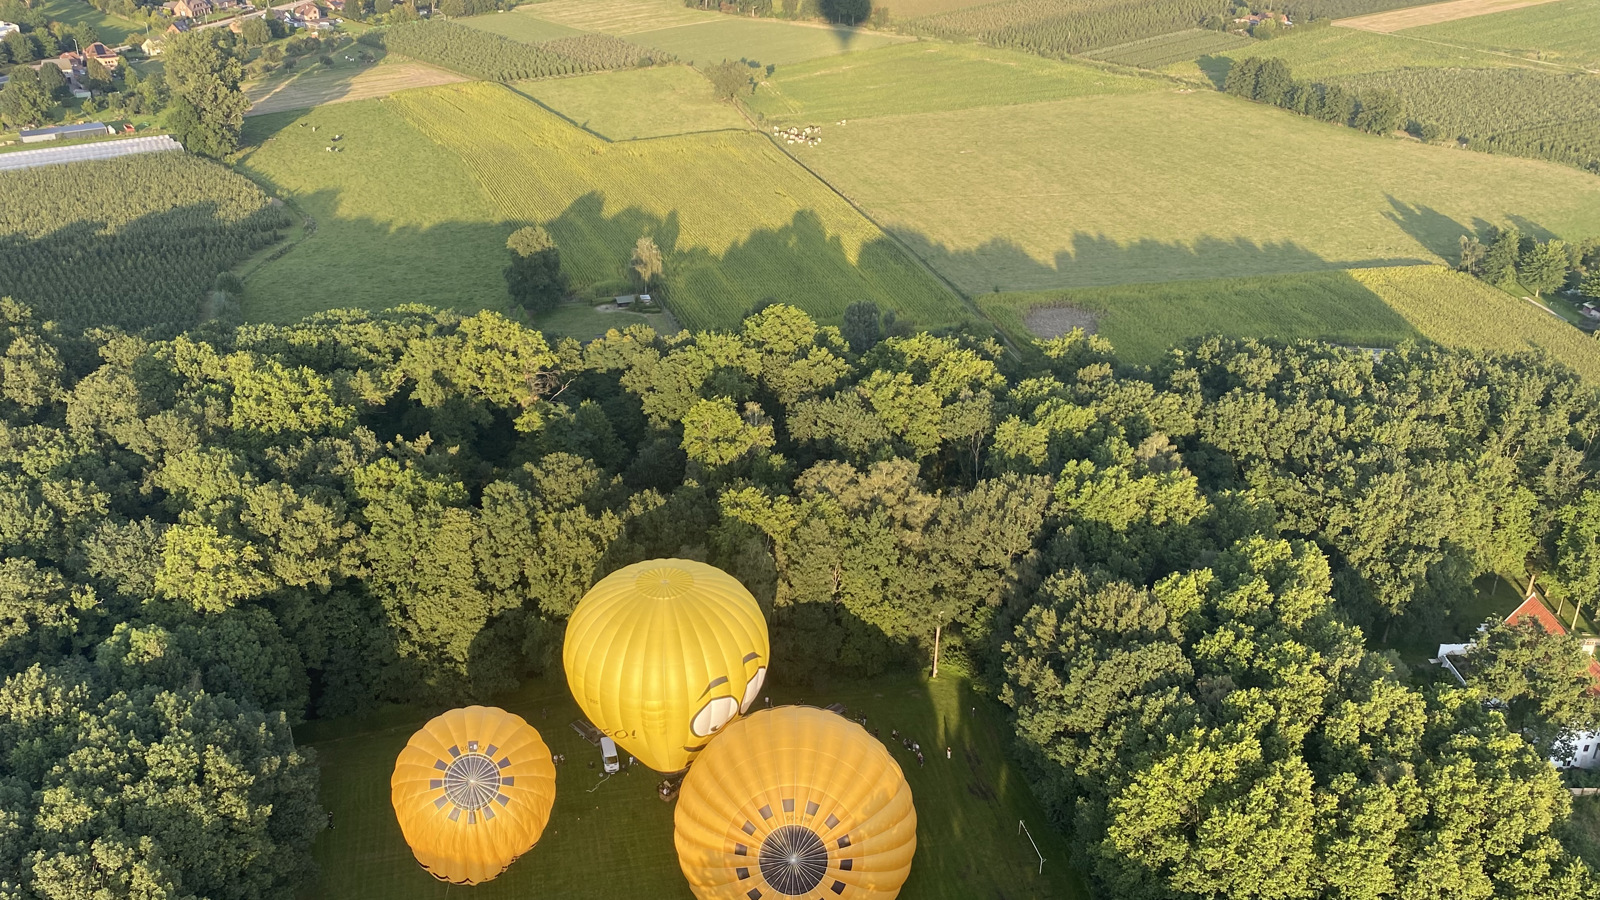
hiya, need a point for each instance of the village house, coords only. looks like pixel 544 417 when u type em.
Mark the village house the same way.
pixel 107 56
pixel 1456 659
pixel 152 46
pixel 308 11
pixel 7 28
pixel 191 9
pixel 178 28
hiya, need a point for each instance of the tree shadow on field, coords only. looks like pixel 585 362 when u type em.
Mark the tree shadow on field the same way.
pixel 1442 234
pixel 1215 68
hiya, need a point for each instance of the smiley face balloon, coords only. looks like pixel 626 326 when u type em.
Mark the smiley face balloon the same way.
pixel 663 654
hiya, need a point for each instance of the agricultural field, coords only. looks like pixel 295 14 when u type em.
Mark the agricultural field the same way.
pixel 902 10
pixel 768 41
pixel 736 220
pixel 1432 14
pixel 1166 49
pixel 140 257
pixel 521 25
pixel 612 837
pixel 636 103
pixel 1567 31
pixel 398 218
pixel 1150 187
pixel 928 76
pixel 482 54
pixel 1057 28
pixel 113 30
pixel 622 17
pixel 317 85
pixel 1327 54
pixel 1378 307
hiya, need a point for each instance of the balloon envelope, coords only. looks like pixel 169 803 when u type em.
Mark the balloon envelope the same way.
pixel 663 654
pixel 473 791
pixel 795 802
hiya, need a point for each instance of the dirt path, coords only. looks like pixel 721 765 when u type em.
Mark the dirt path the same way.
pixel 1432 14
pixel 320 86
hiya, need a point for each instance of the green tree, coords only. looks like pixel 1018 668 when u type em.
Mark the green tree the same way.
pixel 1544 268
pixel 730 79
pixel 255 32
pixel 1505 252
pixel 54 83
pixel 846 12
pixel 24 102
pixel 1380 112
pixel 1540 680
pixel 862 326
pixel 207 108
pixel 1591 286
pixel 535 278
pixel 99 76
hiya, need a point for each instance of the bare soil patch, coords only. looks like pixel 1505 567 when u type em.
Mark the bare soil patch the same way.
pixel 1054 321
pixel 315 87
pixel 1432 14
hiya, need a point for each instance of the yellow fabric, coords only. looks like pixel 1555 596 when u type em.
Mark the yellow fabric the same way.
pixel 500 770
pixel 762 774
pixel 661 650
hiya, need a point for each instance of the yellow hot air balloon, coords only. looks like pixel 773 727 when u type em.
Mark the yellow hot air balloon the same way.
pixel 663 654
pixel 795 802
pixel 472 791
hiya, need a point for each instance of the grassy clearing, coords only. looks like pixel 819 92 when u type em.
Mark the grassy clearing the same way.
pixel 521 24
pixel 1362 307
pixel 1152 187
pixel 1432 14
pixel 768 41
pixel 1328 53
pixel 316 85
pixel 584 322
pixel 637 103
pixel 1166 49
pixel 736 220
pixel 928 77
pixel 613 838
pixel 1567 31
pixel 621 17
pixel 112 30
pixel 398 219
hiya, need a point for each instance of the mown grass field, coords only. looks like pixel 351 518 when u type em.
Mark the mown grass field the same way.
pixel 1153 187
pixel 521 24
pixel 736 220
pixel 768 41
pixel 621 17
pixel 1566 32
pixel 613 838
pixel 637 103
pixel 311 86
pixel 1328 53
pixel 928 76
pixel 1166 49
pixel 1377 307
pixel 584 322
pixel 398 218
pixel 112 30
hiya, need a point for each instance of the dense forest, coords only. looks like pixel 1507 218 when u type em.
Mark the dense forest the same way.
pixel 132 242
pixel 1181 579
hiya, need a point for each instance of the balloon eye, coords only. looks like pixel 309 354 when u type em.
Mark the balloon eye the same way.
pixel 715 714
pixel 753 689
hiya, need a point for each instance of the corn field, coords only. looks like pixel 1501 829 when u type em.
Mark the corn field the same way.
pixel 132 242
pixel 482 54
pixel 1058 28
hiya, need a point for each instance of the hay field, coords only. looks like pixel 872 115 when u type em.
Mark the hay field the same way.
pixel 768 41
pixel 1377 307
pixel 928 77
pixel 316 86
pixel 1151 187
pixel 1323 54
pixel 1431 14
pixel 1167 49
pixel 619 17
pixel 1567 31
pixel 521 25
pixel 636 103
pixel 736 220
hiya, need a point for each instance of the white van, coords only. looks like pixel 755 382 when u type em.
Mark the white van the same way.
pixel 608 755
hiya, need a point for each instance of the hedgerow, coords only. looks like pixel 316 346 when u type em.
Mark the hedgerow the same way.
pixel 133 242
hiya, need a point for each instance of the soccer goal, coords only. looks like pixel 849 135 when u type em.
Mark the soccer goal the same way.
pixel 1022 828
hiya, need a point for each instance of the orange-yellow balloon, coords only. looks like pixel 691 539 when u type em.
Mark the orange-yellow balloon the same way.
pixel 473 791
pixel 795 802
pixel 663 654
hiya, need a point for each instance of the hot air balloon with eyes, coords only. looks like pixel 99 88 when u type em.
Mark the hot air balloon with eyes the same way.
pixel 473 790
pixel 662 655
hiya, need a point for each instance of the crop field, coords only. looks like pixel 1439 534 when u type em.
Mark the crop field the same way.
pixel 1323 54
pixel 637 103
pixel 1056 28
pixel 1166 49
pixel 315 86
pixel 736 220
pixel 623 17
pixel 611 837
pixel 1377 307
pixel 767 41
pixel 113 30
pixel 1432 14
pixel 901 10
pixel 1567 31
pixel 1149 187
pixel 929 76
pixel 398 219
pixel 521 25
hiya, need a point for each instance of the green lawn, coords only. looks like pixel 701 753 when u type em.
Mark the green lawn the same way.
pixel 584 322
pixel 637 103
pixel 521 24
pixel 1325 53
pixel 398 219
pixel 767 41
pixel 613 838
pixel 1175 186
pixel 1567 32
pixel 928 77
pixel 1362 307
pixel 113 31
pixel 1581 833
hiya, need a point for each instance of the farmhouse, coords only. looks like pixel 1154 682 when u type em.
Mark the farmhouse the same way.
pixel 87 129
pixel 107 56
pixel 1456 659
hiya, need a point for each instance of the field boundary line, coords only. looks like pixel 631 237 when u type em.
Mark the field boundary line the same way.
pixel 1500 53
